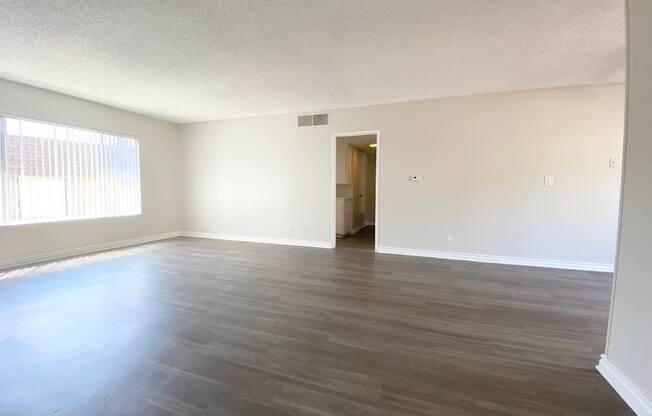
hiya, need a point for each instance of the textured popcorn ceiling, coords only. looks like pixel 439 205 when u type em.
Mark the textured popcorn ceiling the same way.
pixel 199 60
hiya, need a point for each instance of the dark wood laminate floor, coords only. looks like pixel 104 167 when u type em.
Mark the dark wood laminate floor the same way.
pixel 203 327
pixel 362 240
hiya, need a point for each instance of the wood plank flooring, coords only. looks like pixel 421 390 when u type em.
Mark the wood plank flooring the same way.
pixel 203 327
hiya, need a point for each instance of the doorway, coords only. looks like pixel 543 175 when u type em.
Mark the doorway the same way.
pixel 354 219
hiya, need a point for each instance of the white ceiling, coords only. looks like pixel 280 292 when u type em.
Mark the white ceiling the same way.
pixel 199 60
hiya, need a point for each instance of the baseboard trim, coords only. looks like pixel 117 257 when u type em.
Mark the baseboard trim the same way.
pixel 54 255
pixel 483 258
pixel 264 240
pixel 628 391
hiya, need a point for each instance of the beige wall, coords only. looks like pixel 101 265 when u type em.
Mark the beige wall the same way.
pixel 356 178
pixel 362 195
pixel 629 346
pixel 256 177
pixel 370 194
pixel 351 164
pixel 483 159
pixel 159 174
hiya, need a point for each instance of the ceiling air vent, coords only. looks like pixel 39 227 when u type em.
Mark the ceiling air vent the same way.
pixel 313 120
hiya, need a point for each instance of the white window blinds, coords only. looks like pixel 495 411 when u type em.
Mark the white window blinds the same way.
pixel 51 173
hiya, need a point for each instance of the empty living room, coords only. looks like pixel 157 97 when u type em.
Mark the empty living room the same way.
pixel 326 208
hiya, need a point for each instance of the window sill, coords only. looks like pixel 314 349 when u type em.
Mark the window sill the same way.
pixel 61 220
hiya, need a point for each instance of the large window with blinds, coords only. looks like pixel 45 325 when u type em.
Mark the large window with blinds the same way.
pixel 55 173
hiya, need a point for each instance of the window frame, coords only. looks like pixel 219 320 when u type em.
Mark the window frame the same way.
pixel 4 168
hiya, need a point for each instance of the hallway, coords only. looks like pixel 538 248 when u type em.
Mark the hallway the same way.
pixel 362 240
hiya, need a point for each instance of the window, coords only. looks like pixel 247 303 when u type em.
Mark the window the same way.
pixel 53 173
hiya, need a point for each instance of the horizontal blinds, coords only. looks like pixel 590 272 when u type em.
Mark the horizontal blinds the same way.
pixel 52 172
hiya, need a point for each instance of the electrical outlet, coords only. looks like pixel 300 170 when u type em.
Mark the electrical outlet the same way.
pixel 613 162
pixel 548 181
pixel 415 178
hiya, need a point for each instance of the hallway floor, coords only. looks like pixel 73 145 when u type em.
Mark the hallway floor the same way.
pixel 362 240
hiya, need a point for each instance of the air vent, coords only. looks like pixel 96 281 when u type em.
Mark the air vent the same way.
pixel 305 121
pixel 313 120
pixel 319 119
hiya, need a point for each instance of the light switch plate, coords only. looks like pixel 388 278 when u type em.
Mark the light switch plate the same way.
pixel 548 180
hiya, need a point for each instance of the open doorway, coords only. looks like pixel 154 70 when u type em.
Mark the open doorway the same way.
pixel 355 210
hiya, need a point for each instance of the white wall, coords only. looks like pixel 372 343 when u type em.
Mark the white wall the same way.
pixel 629 344
pixel 256 177
pixel 356 179
pixel 159 175
pixel 483 159
pixel 370 192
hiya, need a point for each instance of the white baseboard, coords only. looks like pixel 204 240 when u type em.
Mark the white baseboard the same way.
pixel 641 405
pixel 483 258
pixel 21 261
pixel 265 240
pixel 54 255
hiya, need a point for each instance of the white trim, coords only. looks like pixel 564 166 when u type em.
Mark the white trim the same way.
pixel 333 190
pixel 621 195
pixel 379 150
pixel 67 219
pixel 484 258
pixel 334 137
pixel 54 255
pixel 625 388
pixel 265 240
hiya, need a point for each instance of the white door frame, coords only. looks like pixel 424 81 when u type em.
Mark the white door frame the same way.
pixel 334 137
